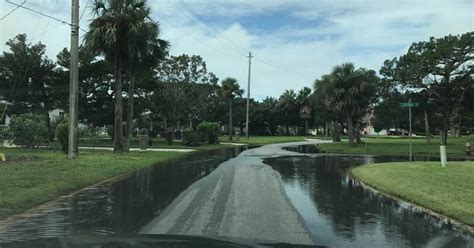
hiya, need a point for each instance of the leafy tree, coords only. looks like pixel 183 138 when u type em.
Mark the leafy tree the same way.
pixel 388 113
pixel 441 66
pixel 229 91
pixel 117 32
pixel 29 81
pixel 265 116
pixel 96 84
pixel 184 91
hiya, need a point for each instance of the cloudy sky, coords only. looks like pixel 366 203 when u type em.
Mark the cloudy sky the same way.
pixel 294 42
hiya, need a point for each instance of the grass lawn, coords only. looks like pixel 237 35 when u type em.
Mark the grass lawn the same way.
pixel 399 146
pixel 31 177
pixel 449 191
pixel 157 143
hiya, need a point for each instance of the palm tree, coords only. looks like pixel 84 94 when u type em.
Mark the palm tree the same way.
pixel 305 109
pixel 152 52
pixel 287 104
pixel 354 90
pixel 116 33
pixel 230 89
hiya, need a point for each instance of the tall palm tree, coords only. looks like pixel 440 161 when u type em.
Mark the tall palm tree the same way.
pixel 152 52
pixel 354 90
pixel 117 33
pixel 230 89
pixel 305 109
pixel 287 104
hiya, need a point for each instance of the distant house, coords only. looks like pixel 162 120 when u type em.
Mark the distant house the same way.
pixel 5 118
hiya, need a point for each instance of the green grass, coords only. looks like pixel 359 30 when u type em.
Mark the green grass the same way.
pixel 157 143
pixel 399 146
pixel 448 191
pixel 31 177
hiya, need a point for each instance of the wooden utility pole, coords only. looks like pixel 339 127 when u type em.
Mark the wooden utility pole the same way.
pixel 248 97
pixel 73 82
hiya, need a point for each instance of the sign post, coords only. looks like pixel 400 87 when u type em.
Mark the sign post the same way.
pixel 409 105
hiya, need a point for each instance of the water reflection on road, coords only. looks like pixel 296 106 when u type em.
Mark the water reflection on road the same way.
pixel 120 207
pixel 340 213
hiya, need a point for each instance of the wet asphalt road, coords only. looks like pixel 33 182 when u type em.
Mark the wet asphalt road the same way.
pixel 243 198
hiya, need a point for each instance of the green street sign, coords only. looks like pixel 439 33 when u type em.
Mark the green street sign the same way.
pixel 409 104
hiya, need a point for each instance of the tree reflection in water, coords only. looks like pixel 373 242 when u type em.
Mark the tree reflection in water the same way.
pixel 340 212
pixel 119 207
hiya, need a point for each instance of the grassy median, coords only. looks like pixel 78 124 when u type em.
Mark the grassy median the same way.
pixel 399 146
pixel 31 177
pixel 449 191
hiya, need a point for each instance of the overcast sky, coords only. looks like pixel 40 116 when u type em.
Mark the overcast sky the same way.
pixel 294 42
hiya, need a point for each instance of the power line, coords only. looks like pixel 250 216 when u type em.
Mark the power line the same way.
pixel 195 18
pixel 41 13
pixel 39 18
pixel 201 22
pixel 209 31
pixel 13 10
pixel 49 20
pixel 84 10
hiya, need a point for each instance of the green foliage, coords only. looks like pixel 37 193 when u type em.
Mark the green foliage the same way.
pixel 443 68
pixel 62 134
pixel 192 138
pixel 28 130
pixel 209 132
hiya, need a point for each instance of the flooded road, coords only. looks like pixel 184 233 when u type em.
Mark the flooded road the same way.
pixel 265 194
pixel 121 207
pixel 341 213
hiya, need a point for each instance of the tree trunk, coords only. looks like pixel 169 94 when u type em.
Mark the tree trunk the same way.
pixel 327 129
pixel 427 129
pixel 118 129
pixel 231 126
pixel 190 122
pixel 350 130
pixel 335 132
pixel 357 133
pixel 129 124
pixel 305 127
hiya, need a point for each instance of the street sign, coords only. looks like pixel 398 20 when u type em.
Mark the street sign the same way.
pixel 409 104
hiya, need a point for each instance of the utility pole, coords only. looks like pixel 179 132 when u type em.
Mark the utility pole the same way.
pixel 73 82
pixel 248 98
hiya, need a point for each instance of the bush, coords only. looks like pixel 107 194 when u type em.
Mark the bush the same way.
pixel 62 134
pixel 3 136
pixel 28 130
pixel 209 132
pixel 192 138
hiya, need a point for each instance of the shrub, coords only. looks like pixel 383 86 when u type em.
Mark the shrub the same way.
pixel 192 138
pixel 209 132
pixel 62 134
pixel 3 135
pixel 28 130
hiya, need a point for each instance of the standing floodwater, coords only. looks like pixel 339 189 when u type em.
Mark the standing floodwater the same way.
pixel 340 213
pixel 121 207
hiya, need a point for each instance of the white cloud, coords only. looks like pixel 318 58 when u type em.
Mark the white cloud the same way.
pixel 364 32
